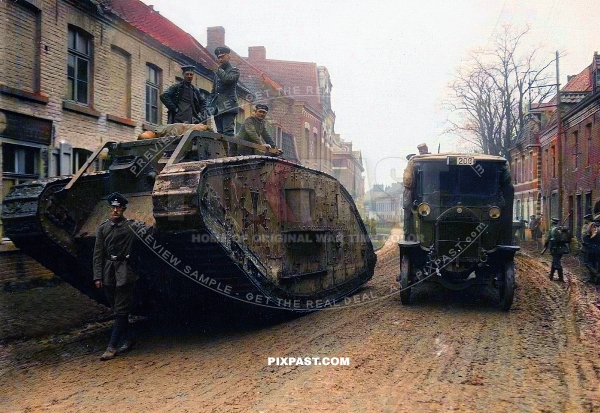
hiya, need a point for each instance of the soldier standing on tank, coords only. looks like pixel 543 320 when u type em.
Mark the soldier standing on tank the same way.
pixel 255 130
pixel 223 103
pixel 558 247
pixel 114 239
pixel 184 101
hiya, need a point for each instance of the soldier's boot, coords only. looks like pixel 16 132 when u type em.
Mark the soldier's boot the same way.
pixel 119 327
pixel 551 274
pixel 560 275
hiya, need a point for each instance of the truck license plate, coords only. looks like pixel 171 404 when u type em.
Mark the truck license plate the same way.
pixel 461 160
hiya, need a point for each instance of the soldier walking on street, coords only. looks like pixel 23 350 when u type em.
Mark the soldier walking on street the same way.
pixel 114 239
pixel 558 245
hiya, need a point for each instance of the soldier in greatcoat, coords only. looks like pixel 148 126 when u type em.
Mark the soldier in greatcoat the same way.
pixel 184 101
pixel 558 245
pixel 114 239
pixel 255 130
pixel 223 103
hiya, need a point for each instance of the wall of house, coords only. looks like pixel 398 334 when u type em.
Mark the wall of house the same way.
pixel 581 163
pixel 34 88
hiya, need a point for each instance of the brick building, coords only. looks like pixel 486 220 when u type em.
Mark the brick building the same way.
pixel 74 74
pixel 303 122
pixel 581 154
pixel 538 166
pixel 348 168
pixel 77 73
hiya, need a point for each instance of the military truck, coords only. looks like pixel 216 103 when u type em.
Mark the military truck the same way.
pixel 253 229
pixel 458 227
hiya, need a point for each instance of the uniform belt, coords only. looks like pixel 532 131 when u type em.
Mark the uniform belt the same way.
pixel 119 258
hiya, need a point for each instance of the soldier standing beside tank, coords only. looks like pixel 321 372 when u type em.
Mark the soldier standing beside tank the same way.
pixel 223 103
pixel 114 239
pixel 558 247
pixel 184 100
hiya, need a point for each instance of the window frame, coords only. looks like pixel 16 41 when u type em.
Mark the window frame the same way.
pixel 74 51
pixel 156 87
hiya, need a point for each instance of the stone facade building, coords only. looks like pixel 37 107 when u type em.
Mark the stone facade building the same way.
pixel 75 74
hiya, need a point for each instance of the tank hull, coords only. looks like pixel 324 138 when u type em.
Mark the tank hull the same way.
pixel 251 230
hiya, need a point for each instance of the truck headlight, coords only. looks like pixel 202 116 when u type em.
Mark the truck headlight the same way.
pixel 424 209
pixel 494 212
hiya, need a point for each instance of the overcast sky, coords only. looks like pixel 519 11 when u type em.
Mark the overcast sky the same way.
pixel 390 61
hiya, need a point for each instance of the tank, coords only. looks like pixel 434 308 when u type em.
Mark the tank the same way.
pixel 248 229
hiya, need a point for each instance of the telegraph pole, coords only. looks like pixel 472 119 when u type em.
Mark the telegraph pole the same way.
pixel 559 144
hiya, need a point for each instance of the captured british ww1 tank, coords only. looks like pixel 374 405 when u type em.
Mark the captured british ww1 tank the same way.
pixel 255 229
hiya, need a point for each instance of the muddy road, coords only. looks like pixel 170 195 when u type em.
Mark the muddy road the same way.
pixel 447 352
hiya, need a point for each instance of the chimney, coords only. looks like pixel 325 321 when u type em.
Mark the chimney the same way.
pixel 257 53
pixel 215 36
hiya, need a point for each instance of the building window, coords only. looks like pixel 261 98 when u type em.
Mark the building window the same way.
pixel 553 162
pixel 531 167
pixel 80 156
pixel 575 149
pixel 20 161
pixel 308 143
pixel 78 66
pixel 152 88
pixel 588 136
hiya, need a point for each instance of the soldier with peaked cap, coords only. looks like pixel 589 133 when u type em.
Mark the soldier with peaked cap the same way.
pixel 184 101
pixel 223 103
pixel 558 243
pixel 114 239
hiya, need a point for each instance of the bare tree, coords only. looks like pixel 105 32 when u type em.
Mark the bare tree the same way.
pixel 489 94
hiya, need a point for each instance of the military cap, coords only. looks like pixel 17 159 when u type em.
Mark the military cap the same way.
pixel 260 106
pixel 423 149
pixel 554 220
pixel 116 199
pixel 188 68
pixel 222 50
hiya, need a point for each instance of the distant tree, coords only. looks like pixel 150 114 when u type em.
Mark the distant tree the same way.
pixel 489 94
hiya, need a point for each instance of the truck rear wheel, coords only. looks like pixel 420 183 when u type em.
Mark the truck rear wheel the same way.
pixel 507 286
pixel 405 270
